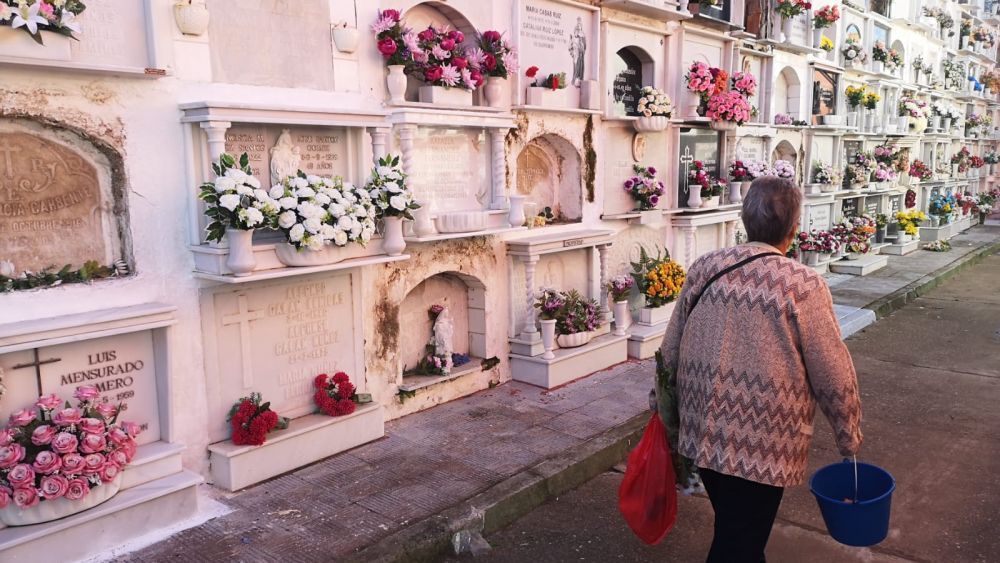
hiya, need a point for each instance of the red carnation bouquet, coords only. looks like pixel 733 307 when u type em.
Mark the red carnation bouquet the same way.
pixel 334 395
pixel 251 420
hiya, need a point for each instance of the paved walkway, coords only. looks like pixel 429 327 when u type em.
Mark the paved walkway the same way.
pixel 479 445
pixel 930 383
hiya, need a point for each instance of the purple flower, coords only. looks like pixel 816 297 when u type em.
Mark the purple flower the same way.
pixel 629 184
pixel 651 170
pixel 654 199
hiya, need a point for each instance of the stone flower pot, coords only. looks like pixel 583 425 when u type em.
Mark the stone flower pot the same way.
pixel 329 254
pixel 48 510
pixel 574 340
pixel 192 17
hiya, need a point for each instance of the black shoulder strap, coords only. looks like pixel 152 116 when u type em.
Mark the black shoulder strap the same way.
pixel 725 271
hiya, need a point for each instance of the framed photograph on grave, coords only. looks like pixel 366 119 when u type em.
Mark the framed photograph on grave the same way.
pixel 696 144
pixel 825 87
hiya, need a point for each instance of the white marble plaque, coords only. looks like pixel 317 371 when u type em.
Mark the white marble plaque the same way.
pixel 557 37
pixel 113 34
pixel 298 30
pixel 322 150
pixel 275 339
pixel 818 217
pixel 451 168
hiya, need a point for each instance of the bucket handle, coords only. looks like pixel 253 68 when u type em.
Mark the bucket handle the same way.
pixel 855 460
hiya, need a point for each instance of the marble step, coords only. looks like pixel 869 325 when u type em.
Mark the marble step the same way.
pixel 570 363
pixel 860 267
pixel 159 503
pixel 901 249
pixel 307 439
pixel 644 340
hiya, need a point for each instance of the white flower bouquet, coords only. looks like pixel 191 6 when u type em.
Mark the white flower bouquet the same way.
pixel 654 102
pixel 388 190
pixel 235 199
pixel 318 211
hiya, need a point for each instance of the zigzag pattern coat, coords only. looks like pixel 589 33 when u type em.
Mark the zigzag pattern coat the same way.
pixel 756 355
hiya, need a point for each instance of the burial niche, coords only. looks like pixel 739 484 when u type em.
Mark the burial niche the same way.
pixel 60 200
pixel 549 175
pixel 785 151
pixel 444 320
pixel 442 17
pixel 631 66
pixel 787 93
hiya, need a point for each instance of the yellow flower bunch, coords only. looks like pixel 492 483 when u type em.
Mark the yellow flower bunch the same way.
pixel 664 281
pixel 909 221
pixel 826 44
pixel 872 99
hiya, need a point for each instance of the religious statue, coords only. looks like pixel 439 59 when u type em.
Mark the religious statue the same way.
pixel 444 333
pixel 285 158
pixel 577 51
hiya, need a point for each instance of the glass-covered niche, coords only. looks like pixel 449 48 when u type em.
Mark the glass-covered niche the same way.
pixel 628 81
pixel 700 145
pixel 824 96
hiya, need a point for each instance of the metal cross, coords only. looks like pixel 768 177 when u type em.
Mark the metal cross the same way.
pixel 244 318
pixel 37 363
pixel 686 159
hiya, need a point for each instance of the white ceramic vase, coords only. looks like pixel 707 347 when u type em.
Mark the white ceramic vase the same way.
pixel 392 241
pixel 693 102
pixel 396 83
pixel 574 340
pixel 329 254
pixel 694 197
pixel 651 124
pixel 240 260
pixel 622 318
pixel 852 119
pixel 786 30
pixel 548 338
pixel 494 89
pixel 710 202
pixel 346 39
pixel 191 17
pixel 423 225
pixel 817 37
pixel 516 218
pixel 735 192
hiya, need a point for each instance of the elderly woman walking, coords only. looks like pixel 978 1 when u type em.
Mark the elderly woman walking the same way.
pixel 755 344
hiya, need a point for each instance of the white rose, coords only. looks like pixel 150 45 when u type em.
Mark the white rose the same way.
pixel 254 182
pixel 322 199
pixel 383 170
pixel 327 231
pixel 336 209
pixel 375 193
pixel 277 191
pixel 366 234
pixel 229 201
pixel 288 202
pixel 397 202
pixel 244 189
pixel 296 232
pixel 340 238
pixel 7 269
pixel 315 243
pixel 360 211
pixel 345 223
pixel 393 187
pixel 236 174
pixel 286 219
pixel 308 210
pixel 355 229
pixel 254 217
pixel 314 180
pixel 312 224
pixel 224 184
pixel 299 183
pixel 261 195
pixel 306 192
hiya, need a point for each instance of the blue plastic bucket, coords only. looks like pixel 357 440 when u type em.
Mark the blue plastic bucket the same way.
pixel 861 523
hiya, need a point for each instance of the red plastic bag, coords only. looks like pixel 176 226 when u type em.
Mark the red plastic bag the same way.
pixel 647 497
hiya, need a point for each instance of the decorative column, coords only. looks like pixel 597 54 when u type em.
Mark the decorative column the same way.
pixel 730 233
pixel 215 131
pixel 499 161
pixel 406 134
pixel 380 138
pixel 602 254
pixel 690 240
pixel 530 332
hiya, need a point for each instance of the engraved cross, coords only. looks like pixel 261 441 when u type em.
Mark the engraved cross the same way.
pixel 686 159
pixel 8 152
pixel 37 363
pixel 244 318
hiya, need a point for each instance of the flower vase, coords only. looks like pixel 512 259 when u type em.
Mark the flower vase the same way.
pixel 54 509
pixel 852 118
pixel 954 171
pixel 786 30
pixel 346 39
pixel 878 67
pixel 494 89
pixel 693 104
pixel 810 257
pixel 191 18
pixel 423 224
pixel 392 241
pixel 574 340
pixel 651 124
pixel 869 121
pixel 516 218
pixel 722 125
pixel 710 202
pixel 682 5
pixel 548 338
pixel 853 255
pixel 902 238
pixel 946 125
pixel 694 198
pixel 936 123
pixel 240 260
pixel 328 254
pixel 817 37
pixel 935 221
pixel 396 83
pixel 735 192
pixel 623 318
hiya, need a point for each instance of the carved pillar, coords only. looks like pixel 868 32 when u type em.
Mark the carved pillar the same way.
pixel 406 135
pixel 602 253
pixel 730 233
pixel 690 245
pixel 499 162
pixel 215 131
pixel 530 331
pixel 380 138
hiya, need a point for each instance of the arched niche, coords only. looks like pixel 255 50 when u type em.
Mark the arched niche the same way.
pixel 853 33
pixel 465 298
pixel 900 48
pixel 441 16
pixel 633 68
pixel 549 175
pixel 787 93
pixel 785 151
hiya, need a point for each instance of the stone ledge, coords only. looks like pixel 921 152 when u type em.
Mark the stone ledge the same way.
pixel 860 267
pixel 130 513
pixel 901 249
pixel 570 363
pixel 306 440
pixel 644 340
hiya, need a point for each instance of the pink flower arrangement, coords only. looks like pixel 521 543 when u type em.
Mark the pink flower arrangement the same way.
pixel 700 79
pixel 503 56
pixel 644 188
pixel 394 41
pixel 439 59
pixel 47 453
pixel 745 83
pixel 729 106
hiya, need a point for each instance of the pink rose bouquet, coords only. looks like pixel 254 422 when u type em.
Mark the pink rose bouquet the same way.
pixel 700 79
pixel 395 42
pixel 745 83
pixel 504 55
pixel 729 106
pixel 440 60
pixel 52 452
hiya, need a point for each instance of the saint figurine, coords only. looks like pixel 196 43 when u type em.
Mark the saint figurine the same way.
pixel 285 158
pixel 577 51
pixel 444 333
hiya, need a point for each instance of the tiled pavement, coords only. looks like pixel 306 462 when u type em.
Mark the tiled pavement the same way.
pixel 427 462
pixel 435 459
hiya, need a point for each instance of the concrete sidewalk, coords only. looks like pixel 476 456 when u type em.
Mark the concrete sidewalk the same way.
pixel 479 462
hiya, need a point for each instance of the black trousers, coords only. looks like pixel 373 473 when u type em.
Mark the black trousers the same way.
pixel 744 515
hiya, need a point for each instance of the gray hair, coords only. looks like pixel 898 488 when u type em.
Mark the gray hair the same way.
pixel 771 209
